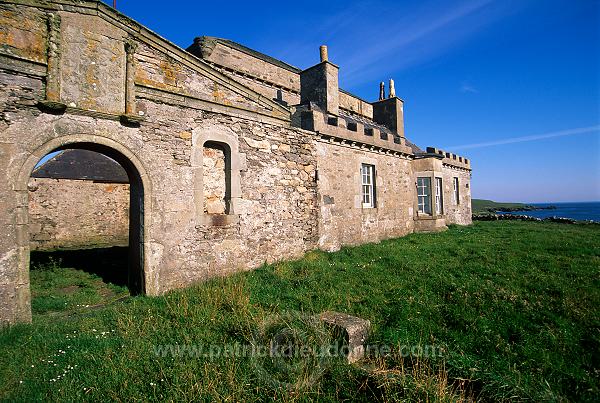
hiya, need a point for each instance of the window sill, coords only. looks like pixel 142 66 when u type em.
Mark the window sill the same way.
pixel 219 220
pixel 422 216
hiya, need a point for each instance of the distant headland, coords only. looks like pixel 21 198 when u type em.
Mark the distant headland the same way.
pixel 488 206
pixel 571 212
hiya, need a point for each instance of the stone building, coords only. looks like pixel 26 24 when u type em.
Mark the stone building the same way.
pixel 78 199
pixel 233 158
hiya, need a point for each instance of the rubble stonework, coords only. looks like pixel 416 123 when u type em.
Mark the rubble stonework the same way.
pixel 73 214
pixel 227 169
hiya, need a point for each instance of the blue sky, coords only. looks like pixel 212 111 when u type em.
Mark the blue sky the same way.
pixel 512 85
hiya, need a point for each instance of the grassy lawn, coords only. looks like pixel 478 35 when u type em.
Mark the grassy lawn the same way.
pixel 65 291
pixel 494 311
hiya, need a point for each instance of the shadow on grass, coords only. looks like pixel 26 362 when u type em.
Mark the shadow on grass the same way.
pixel 110 264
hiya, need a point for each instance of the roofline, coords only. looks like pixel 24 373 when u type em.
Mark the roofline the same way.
pixel 429 155
pixel 151 38
pixel 269 59
pixel 251 52
pixel 40 166
pixel 355 96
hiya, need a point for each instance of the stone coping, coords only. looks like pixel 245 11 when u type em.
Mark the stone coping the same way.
pixel 450 158
pixel 350 131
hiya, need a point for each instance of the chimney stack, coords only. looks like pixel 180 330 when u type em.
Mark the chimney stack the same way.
pixel 319 84
pixel 324 56
pixel 392 89
pixel 381 91
pixel 389 111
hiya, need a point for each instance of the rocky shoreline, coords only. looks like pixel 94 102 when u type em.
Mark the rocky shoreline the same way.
pixel 491 216
pixel 520 208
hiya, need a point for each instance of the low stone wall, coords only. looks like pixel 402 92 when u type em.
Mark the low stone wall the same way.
pixel 71 214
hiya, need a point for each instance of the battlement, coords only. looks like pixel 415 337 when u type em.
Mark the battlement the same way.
pixel 346 128
pixel 449 158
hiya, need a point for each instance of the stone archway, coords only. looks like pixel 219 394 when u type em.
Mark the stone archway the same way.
pixel 140 189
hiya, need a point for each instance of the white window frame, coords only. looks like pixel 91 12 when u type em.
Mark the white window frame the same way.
pixel 455 190
pixel 367 175
pixel 439 196
pixel 424 195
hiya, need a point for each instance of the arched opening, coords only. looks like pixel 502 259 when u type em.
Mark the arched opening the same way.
pixel 90 167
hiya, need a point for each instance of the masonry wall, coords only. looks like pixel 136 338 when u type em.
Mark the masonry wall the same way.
pixel 271 80
pixel 457 213
pixel 343 219
pixel 255 73
pixel 277 215
pixel 73 214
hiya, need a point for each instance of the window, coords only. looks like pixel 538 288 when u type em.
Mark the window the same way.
pixel 455 192
pixel 424 195
pixel 216 180
pixel 367 173
pixel 439 198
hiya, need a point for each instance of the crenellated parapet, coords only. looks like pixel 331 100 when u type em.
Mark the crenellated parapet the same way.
pixel 449 158
pixel 348 129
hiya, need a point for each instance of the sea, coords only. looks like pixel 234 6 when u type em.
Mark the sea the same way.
pixel 578 211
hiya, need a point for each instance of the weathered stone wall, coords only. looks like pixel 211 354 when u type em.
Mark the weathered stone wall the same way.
pixel 457 213
pixel 276 217
pixel 355 105
pixel 16 93
pixel 92 63
pixel 245 63
pixel 264 77
pixel 156 70
pixel 272 81
pixel 23 32
pixel 72 214
pixel 343 219
pixel 269 90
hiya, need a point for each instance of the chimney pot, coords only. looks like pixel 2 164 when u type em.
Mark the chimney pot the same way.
pixel 381 91
pixel 324 56
pixel 392 89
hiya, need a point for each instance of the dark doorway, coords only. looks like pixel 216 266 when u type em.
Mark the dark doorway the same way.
pixel 110 264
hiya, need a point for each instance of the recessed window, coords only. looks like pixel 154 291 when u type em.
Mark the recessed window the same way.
pixel 455 191
pixel 216 169
pixel 439 197
pixel 368 185
pixel 424 194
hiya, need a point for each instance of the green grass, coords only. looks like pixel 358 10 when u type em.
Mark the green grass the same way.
pixel 510 308
pixel 57 290
pixel 484 206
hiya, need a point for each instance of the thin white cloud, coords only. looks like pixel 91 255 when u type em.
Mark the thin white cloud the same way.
pixel 368 39
pixel 468 88
pixel 401 34
pixel 561 133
